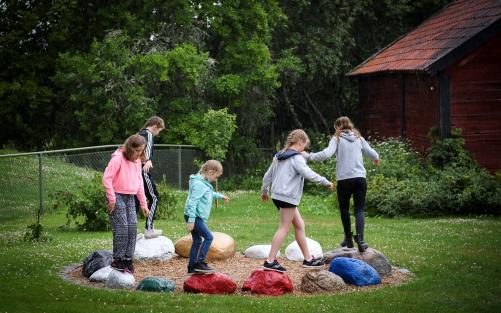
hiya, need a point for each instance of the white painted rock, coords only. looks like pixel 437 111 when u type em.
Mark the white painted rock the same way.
pixel 119 280
pixel 159 248
pixel 258 251
pixel 101 274
pixel 293 253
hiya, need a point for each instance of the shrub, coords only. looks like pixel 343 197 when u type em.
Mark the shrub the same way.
pixel 87 201
pixel 170 201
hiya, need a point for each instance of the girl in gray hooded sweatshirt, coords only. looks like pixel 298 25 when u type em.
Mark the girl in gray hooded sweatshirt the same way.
pixel 349 148
pixel 286 177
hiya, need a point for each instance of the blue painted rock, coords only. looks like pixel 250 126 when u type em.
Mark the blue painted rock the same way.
pixel 355 272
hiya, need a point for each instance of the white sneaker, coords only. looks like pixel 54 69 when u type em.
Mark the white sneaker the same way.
pixel 152 233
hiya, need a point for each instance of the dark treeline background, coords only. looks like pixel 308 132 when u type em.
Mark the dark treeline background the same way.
pixel 77 73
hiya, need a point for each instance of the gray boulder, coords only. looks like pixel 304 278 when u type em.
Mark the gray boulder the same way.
pixel 321 281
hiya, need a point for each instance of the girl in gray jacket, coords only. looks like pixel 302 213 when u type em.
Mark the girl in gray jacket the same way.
pixel 286 177
pixel 349 148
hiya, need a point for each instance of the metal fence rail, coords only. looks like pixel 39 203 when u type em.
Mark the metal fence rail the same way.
pixel 27 179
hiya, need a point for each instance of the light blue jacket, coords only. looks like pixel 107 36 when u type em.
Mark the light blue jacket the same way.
pixel 200 196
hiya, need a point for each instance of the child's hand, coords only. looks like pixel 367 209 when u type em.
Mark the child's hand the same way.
pixel 375 162
pixel 147 166
pixel 146 212
pixel 190 226
pixel 330 186
pixel 226 199
pixel 111 207
pixel 265 198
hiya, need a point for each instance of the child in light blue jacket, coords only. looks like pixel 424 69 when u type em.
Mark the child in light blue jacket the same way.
pixel 197 211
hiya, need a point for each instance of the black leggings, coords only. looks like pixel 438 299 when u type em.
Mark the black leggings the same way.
pixel 345 189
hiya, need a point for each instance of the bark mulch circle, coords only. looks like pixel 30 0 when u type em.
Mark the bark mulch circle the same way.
pixel 238 267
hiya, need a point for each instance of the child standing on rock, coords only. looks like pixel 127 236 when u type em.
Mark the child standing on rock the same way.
pixel 196 213
pixel 123 180
pixel 286 177
pixel 349 147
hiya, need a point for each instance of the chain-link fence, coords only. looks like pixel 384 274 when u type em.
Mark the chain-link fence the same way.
pixel 27 180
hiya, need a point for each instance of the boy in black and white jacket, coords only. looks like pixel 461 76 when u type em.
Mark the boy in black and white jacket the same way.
pixel 151 129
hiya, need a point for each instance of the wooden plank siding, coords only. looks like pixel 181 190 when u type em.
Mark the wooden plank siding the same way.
pixel 379 100
pixel 421 112
pixel 476 102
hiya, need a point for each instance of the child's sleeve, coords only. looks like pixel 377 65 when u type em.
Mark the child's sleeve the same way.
pixel 368 151
pixel 195 194
pixel 110 172
pixel 217 195
pixel 149 145
pixel 299 164
pixel 140 192
pixel 267 178
pixel 325 154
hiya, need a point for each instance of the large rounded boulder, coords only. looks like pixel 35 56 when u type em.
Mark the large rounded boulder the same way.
pixel 268 283
pixel 223 247
pixel 215 283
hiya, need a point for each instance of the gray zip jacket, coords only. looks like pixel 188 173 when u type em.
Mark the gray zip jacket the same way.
pixel 286 176
pixel 349 155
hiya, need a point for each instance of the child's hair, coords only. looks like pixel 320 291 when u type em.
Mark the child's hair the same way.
pixel 132 143
pixel 155 121
pixel 213 165
pixel 344 124
pixel 294 137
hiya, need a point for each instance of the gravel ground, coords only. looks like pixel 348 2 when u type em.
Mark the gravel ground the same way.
pixel 238 267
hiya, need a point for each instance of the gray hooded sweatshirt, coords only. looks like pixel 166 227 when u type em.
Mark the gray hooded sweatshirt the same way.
pixel 286 176
pixel 349 152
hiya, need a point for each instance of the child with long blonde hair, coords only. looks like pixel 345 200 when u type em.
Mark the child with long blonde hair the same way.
pixel 349 147
pixel 286 177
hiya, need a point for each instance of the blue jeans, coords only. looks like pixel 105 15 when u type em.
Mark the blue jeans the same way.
pixel 199 249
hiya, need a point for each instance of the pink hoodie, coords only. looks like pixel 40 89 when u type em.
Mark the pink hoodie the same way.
pixel 123 176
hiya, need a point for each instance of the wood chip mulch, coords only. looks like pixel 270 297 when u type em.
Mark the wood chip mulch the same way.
pixel 238 267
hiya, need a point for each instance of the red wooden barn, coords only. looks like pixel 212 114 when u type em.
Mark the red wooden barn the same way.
pixel 445 73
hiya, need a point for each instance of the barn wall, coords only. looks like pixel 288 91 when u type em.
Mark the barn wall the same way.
pixel 421 108
pixel 379 106
pixel 476 102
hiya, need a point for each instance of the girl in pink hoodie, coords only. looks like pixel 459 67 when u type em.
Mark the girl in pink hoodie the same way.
pixel 123 180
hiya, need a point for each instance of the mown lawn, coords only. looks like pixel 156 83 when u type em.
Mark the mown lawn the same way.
pixel 457 262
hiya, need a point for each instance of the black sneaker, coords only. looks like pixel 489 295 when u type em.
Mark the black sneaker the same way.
pixel 273 266
pixel 118 264
pixel 129 266
pixel 202 267
pixel 191 271
pixel 313 263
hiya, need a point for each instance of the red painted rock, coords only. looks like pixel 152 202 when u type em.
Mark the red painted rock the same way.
pixel 268 283
pixel 216 283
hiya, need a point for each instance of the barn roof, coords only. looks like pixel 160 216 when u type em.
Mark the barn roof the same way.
pixel 439 41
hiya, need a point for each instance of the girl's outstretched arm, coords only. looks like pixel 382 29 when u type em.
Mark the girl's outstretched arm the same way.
pixel 325 154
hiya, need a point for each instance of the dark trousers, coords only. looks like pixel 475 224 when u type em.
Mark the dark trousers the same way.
pixel 199 248
pixel 151 193
pixel 345 189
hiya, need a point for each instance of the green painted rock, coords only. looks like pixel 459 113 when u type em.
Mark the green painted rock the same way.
pixel 156 284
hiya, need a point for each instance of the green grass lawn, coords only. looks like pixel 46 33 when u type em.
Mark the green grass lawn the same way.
pixel 457 262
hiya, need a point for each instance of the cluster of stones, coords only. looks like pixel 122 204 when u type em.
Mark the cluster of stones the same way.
pixel 347 266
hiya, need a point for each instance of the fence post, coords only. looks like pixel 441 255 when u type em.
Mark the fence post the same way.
pixel 40 186
pixel 179 180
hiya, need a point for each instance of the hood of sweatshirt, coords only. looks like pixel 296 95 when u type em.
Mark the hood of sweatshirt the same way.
pixel 118 151
pixel 199 177
pixel 350 136
pixel 284 155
